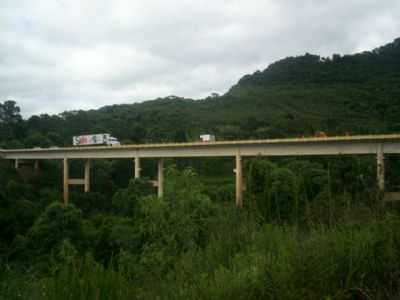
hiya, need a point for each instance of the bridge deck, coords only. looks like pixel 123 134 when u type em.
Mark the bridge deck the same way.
pixel 364 144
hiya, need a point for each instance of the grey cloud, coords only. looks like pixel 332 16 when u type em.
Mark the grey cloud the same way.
pixel 58 55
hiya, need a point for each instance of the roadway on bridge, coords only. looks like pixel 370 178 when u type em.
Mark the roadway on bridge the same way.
pixel 341 145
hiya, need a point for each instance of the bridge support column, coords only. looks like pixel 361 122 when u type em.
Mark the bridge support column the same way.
pixel 36 165
pixel 239 181
pixel 380 168
pixel 160 183
pixel 137 167
pixel 16 163
pixel 66 181
pixel 87 176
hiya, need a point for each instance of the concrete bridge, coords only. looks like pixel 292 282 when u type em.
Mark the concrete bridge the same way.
pixel 376 145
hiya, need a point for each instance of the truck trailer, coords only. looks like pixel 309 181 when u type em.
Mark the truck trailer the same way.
pixel 207 138
pixel 95 139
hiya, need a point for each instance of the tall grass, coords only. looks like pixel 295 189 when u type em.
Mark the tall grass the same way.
pixel 13 283
pixel 346 262
pixel 84 278
pixel 247 259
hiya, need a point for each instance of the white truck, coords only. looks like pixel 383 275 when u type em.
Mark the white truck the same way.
pixel 95 139
pixel 207 138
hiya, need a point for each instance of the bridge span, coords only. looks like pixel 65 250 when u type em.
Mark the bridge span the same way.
pixel 377 145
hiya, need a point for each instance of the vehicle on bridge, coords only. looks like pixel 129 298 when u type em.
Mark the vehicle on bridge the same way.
pixel 207 138
pixel 320 134
pixel 95 139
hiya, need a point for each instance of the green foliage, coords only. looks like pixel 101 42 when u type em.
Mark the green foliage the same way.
pixel 17 211
pixel 184 246
pixel 174 223
pixel 112 235
pixel 84 278
pixel 37 139
pixel 102 180
pixel 90 203
pixel 126 201
pixel 14 284
pixel 305 192
pixel 358 68
pixel 343 263
pixel 57 223
pixel 9 112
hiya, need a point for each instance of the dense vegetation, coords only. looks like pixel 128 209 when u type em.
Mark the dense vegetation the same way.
pixel 310 229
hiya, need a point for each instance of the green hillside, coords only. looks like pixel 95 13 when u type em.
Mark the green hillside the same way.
pixel 353 93
pixel 357 94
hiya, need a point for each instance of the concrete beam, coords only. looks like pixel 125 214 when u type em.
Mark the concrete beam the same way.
pixel 66 181
pixel 76 181
pixel 239 181
pixel 160 179
pixel 278 147
pixel 20 162
pixel 154 183
pixel 391 197
pixel 137 167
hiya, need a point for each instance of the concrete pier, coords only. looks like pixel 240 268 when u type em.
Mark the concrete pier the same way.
pixel 239 181
pixel 380 168
pixel 137 167
pixel 87 176
pixel 160 178
pixel 85 181
pixel 66 181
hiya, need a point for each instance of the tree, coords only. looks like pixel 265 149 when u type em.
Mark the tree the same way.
pixel 57 223
pixel 176 222
pixel 126 201
pixel 9 112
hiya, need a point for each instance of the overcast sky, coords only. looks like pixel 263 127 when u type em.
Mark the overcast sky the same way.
pixel 65 55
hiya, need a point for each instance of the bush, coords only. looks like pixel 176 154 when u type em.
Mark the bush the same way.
pixel 84 278
pixel 113 234
pixel 275 262
pixel 126 201
pixel 57 223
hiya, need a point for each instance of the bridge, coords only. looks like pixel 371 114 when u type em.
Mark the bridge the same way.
pixel 377 145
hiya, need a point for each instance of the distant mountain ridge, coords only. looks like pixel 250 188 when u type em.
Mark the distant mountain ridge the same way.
pixel 316 69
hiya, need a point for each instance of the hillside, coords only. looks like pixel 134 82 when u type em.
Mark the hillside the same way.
pixel 357 93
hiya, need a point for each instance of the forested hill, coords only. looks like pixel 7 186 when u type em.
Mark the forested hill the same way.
pixel 359 68
pixel 355 94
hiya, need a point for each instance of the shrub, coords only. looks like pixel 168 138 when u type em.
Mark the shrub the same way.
pixel 84 278
pixel 57 223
